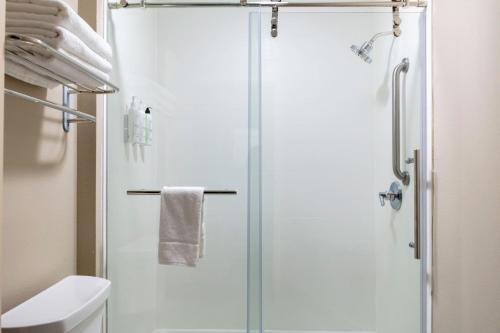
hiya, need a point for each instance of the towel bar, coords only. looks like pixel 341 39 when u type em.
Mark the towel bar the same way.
pixel 80 115
pixel 158 192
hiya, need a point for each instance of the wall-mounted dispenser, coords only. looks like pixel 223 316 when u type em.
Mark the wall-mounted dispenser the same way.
pixel 138 123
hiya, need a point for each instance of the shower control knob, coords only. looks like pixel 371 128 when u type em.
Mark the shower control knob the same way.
pixel 394 196
pixel 412 245
pixel 383 196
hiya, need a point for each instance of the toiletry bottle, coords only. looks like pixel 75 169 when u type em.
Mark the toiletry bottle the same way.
pixel 138 121
pixel 148 127
pixel 126 125
pixel 131 117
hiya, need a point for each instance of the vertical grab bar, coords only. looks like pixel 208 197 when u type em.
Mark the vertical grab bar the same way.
pixel 403 176
pixel 416 242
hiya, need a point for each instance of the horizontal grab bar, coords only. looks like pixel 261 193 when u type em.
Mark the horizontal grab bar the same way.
pixel 158 192
pixel 52 105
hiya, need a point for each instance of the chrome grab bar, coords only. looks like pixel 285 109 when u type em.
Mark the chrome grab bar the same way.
pixel 403 176
pixel 416 243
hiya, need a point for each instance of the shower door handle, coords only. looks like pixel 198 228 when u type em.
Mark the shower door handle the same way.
pixel 403 176
pixel 417 218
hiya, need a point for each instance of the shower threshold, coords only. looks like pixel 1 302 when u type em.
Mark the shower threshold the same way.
pixel 244 331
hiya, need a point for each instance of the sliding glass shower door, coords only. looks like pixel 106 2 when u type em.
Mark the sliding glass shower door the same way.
pixel 331 257
pixel 192 71
pixel 302 128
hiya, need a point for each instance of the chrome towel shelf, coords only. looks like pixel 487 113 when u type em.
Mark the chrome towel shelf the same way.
pixel 22 46
pixel 158 192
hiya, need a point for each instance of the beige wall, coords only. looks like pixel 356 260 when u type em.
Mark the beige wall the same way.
pixel 86 180
pixel 39 230
pixel 87 252
pixel 467 164
pixel 86 171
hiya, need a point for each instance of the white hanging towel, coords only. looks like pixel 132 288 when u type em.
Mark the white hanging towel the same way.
pixel 182 232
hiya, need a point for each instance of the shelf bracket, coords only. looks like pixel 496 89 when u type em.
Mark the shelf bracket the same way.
pixel 66 102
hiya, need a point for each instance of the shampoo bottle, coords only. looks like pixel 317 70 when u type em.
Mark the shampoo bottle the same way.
pixel 148 127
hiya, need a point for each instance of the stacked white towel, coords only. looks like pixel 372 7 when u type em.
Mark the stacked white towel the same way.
pixel 58 25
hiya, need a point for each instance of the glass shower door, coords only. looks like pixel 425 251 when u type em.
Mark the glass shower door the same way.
pixel 305 245
pixel 172 60
pixel 331 257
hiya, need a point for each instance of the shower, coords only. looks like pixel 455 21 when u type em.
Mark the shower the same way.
pixel 293 149
pixel 364 50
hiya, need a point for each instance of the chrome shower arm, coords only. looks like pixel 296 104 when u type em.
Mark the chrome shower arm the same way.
pixel 380 34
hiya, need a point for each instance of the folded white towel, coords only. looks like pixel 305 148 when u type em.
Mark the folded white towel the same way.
pixel 60 39
pixel 34 9
pixel 181 234
pixel 22 73
pixel 38 11
pixel 21 69
pixel 53 64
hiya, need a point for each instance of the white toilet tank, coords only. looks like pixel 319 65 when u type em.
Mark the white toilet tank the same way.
pixel 73 305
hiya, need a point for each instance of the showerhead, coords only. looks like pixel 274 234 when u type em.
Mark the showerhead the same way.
pixel 364 50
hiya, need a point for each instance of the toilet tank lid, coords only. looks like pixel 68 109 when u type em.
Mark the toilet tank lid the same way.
pixel 64 305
